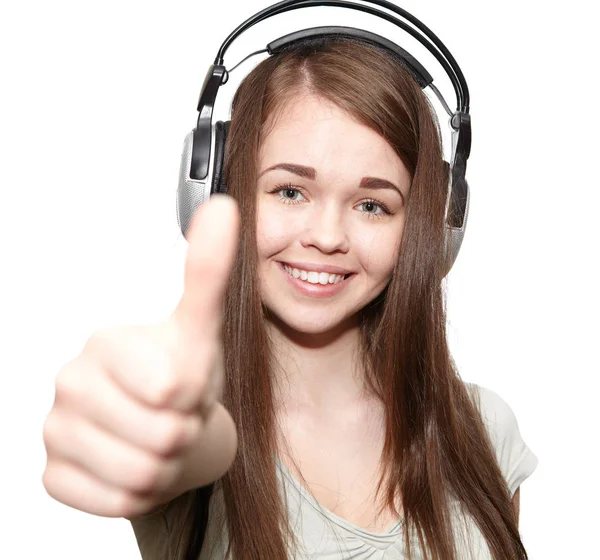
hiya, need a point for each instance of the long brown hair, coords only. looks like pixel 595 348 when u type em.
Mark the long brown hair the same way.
pixel 436 448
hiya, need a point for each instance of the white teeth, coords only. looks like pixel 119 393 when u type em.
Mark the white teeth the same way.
pixel 313 277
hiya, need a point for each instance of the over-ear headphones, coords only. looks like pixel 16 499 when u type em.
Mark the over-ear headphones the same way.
pixel 201 170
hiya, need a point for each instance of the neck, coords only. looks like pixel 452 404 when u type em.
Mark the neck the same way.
pixel 316 371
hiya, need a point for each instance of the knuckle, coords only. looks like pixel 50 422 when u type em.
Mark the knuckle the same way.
pixel 194 427
pixel 172 436
pixel 132 506
pixel 56 484
pixel 148 476
pixel 48 479
pixel 164 390
pixel 68 382
pixel 52 432
pixel 126 504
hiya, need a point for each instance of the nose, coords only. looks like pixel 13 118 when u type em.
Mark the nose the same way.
pixel 325 230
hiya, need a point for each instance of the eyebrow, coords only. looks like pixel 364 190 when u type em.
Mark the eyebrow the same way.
pixel 311 174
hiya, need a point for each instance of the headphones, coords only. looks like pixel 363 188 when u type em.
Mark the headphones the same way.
pixel 201 170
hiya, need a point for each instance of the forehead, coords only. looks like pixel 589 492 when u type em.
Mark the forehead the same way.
pixel 313 131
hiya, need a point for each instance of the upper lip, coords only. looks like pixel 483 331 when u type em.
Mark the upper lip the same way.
pixel 317 267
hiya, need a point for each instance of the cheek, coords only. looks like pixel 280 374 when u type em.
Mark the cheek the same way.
pixel 272 228
pixel 377 249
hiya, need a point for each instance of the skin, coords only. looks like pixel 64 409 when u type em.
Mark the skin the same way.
pixel 328 221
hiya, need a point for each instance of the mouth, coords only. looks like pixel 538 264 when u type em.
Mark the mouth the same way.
pixel 315 277
pixel 313 283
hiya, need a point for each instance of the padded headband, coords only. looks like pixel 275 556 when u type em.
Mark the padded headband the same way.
pixel 319 35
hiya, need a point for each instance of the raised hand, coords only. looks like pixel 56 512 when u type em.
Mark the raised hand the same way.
pixel 131 406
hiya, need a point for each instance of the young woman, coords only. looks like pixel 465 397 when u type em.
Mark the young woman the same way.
pixel 336 424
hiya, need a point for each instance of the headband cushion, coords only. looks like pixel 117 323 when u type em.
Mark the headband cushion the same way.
pixel 314 38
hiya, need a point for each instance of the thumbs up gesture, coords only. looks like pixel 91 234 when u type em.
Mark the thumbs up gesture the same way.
pixel 138 409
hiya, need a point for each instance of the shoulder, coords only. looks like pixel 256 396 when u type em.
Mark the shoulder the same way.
pixel 516 460
pixel 496 412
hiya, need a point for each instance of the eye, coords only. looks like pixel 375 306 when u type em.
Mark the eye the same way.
pixel 288 193
pixel 374 208
pixel 292 194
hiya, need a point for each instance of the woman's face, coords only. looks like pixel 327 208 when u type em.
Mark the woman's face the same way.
pixel 330 200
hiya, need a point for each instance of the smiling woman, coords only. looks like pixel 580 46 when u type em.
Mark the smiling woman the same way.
pixel 356 436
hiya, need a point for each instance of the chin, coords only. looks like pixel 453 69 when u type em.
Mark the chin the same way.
pixel 311 323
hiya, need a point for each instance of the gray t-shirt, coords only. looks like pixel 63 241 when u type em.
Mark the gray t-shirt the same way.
pixel 323 535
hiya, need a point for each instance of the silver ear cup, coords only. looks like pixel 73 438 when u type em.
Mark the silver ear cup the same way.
pixel 453 237
pixel 454 234
pixel 192 193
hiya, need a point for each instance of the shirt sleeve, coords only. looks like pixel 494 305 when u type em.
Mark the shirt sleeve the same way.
pixel 165 532
pixel 517 462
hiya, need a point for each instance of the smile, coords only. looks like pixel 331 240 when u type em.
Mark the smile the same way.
pixel 313 283
pixel 313 277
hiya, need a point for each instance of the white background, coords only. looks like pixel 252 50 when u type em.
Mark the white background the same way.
pixel 96 100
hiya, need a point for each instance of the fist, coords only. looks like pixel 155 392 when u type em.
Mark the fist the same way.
pixel 130 407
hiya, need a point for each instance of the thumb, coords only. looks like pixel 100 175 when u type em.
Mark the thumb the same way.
pixel 213 240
